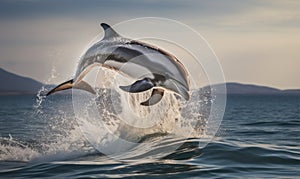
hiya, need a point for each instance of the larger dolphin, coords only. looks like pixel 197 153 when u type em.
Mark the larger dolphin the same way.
pixel 115 51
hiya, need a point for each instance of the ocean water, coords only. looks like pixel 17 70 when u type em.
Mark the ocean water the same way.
pixel 259 138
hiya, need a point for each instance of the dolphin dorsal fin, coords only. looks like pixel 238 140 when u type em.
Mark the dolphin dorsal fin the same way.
pixel 109 32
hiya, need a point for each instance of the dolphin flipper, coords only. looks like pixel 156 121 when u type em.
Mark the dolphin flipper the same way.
pixel 70 84
pixel 138 86
pixel 156 96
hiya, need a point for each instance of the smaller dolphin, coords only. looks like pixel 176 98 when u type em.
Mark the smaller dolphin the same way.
pixel 115 51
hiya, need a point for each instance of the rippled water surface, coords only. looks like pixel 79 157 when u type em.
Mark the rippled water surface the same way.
pixel 259 137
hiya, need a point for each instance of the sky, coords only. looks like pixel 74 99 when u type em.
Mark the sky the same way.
pixel 256 41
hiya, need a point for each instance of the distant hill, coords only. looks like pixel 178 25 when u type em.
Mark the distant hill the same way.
pixel 16 84
pixel 237 88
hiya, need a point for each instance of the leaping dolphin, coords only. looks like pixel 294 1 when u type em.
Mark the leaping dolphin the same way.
pixel 115 51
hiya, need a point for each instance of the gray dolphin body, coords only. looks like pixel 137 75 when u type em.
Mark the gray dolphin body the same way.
pixel 164 71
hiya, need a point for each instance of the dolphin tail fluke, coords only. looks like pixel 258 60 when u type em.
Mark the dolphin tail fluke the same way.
pixel 138 86
pixel 156 96
pixel 70 84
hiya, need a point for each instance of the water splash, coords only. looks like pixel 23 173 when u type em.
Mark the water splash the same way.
pixel 14 150
pixel 61 139
pixel 115 122
pixel 40 97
